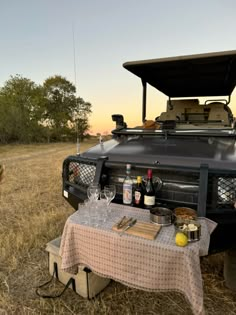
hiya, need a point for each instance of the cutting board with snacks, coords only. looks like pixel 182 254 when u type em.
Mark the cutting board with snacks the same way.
pixel 143 229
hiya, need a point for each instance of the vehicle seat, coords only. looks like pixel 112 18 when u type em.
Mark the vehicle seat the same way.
pixel 218 112
pixel 170 115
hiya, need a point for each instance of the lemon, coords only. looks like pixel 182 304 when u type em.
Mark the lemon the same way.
pixel 181 239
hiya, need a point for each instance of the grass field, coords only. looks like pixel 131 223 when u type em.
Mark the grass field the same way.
pixel 33 212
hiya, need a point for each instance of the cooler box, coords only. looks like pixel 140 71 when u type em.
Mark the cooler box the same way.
pixel 86 283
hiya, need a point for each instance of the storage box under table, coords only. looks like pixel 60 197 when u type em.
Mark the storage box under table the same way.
pixel 86 283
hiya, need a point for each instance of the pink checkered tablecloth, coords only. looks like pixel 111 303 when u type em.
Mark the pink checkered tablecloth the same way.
pixel 151 265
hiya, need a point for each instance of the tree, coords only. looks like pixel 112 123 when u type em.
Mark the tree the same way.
pixel 64 113
pixel 30 112
pixel 20 104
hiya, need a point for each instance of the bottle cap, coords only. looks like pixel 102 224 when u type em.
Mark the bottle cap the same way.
pixel 139 179
pixel 149 173
pixel 128 167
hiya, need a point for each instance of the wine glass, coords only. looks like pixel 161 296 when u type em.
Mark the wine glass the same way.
pixel 110 192
pixel 93 192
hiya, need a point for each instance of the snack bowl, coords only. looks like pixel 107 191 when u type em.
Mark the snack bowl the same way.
pixel 162 216
pixel 185 213
pixel 191 228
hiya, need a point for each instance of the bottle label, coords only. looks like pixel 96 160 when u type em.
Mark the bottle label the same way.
pixel 127 194
pixel 137 197
pixel 149 200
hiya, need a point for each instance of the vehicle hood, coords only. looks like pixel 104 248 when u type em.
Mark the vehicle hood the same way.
pixel 217 152
pixel 211 74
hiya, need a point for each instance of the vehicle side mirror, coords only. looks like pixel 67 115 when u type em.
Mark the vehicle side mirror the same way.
pixel 119 119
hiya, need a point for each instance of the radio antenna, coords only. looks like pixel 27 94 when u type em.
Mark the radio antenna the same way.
pixel 75 76
pixel 75 82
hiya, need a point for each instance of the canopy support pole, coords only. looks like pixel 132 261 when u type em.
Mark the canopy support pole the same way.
pixel 144 83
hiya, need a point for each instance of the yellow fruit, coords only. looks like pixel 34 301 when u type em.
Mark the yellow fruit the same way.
pixel 181 239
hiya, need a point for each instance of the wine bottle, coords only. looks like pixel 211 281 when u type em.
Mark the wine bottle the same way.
pixel 127 186
pixel 138 193
pixel 149 194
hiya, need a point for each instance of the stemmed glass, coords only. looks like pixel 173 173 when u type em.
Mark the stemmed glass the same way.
pixel 93 192
pixel 110 192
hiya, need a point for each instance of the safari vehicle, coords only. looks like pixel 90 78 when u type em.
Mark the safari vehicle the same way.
pixel 191 147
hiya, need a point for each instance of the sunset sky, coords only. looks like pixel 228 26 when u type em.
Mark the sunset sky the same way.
pixel 37 42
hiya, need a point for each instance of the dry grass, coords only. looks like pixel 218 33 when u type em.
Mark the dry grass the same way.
pixel 33 212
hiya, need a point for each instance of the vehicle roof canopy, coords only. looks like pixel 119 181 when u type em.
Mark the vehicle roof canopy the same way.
pixel 211 74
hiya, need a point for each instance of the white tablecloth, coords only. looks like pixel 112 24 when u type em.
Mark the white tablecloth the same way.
pixel 153 265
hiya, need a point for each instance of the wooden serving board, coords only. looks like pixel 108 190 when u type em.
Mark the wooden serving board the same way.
pixel 142 229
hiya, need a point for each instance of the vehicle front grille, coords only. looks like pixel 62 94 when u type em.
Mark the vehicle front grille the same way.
pixel 174 186
pixel 226 189
pixel 221 191
pixel 80 173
